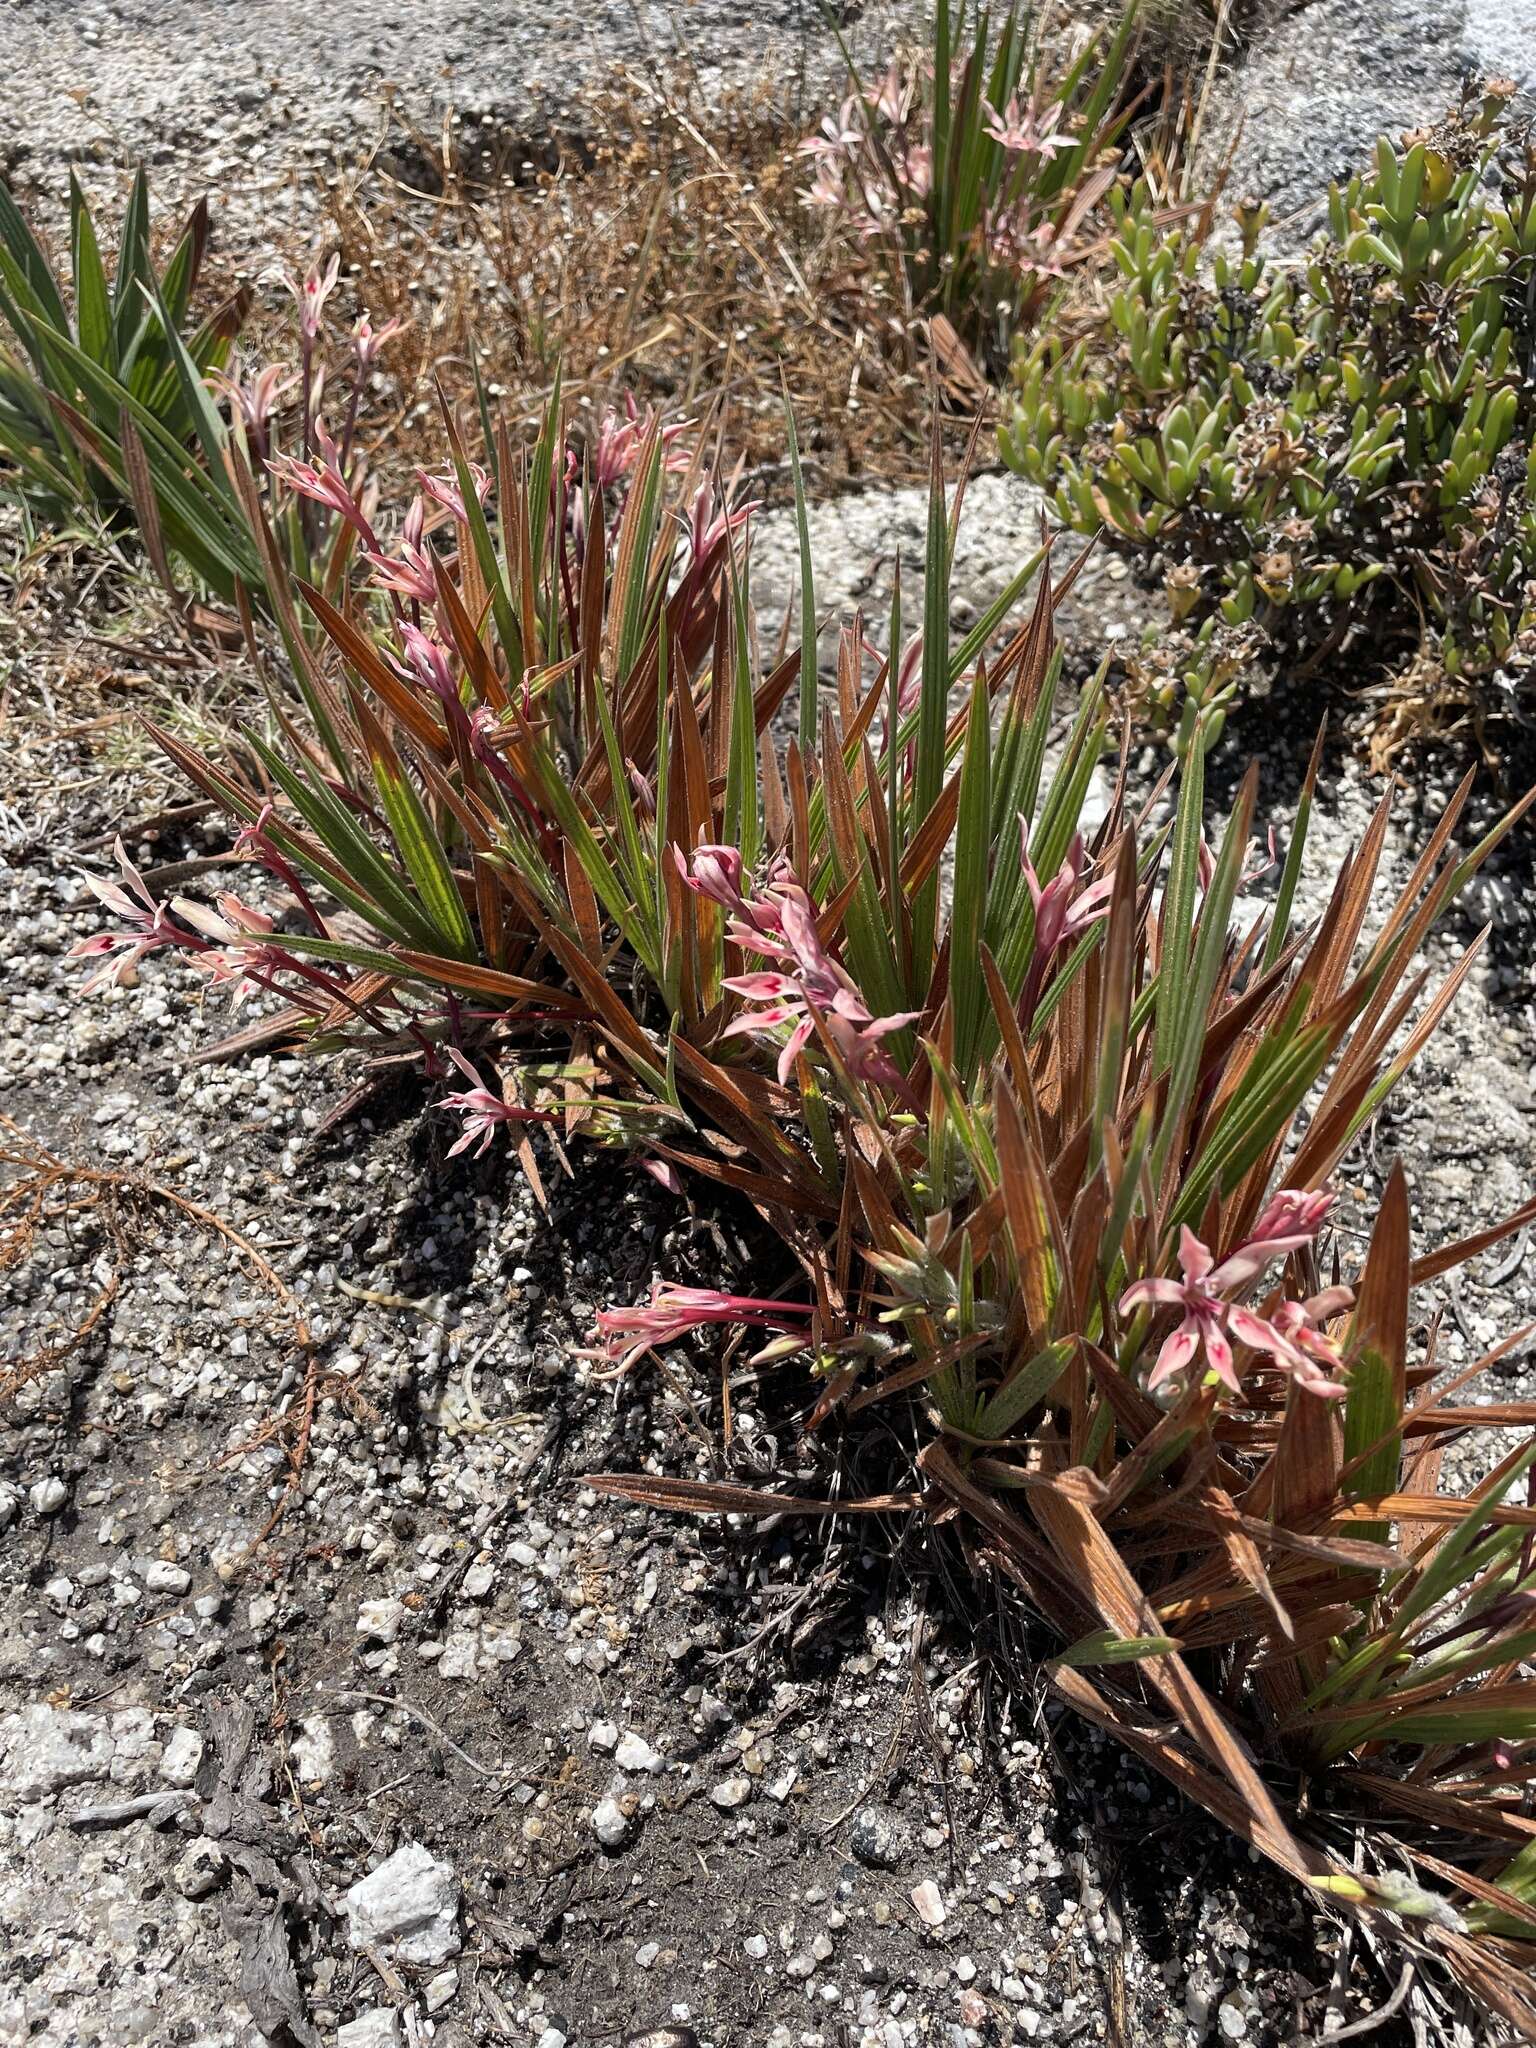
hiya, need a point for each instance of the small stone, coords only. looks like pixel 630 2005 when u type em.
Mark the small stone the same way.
pixel 756 1946
pixel 800 1967
pixel 408 1907
pixel 182 1755
pixel 603 1736
pixel 200 1868
pixel 461 1655
pixel 48 1495
pixel 873 1840
pixel 634 1753
pixel 380 1619
pixel 928 1903
pixel 613 1821
pixel 1233 2020
pixel 313 1750
pixel 43 1749
pixel 479 1580
pixel 647 1953
pixel 552 2037
pixel 965 1970
pixel 732 1792
pixel 377 2028
pixel 441 1989
pixel 161 1577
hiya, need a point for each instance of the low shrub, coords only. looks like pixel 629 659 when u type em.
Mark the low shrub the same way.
pixel 1336 451
pixel 1034 1142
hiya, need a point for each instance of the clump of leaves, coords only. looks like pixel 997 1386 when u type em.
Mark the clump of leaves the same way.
pixel 977 166
pixel 1049 1150
pixel 1329 448
pixel 99 391
pixel 121 410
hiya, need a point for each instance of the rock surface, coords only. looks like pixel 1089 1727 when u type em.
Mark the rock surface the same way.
pixel 1321 81
pixel 408 1908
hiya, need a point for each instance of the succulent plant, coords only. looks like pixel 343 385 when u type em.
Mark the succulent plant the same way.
pixel 1306 445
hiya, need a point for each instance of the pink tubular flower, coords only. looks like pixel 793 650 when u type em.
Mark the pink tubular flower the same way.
pixel 826 188
pixel 889 98
pixel 311 294
pixel 254 398
pixel 917 170
pixel 620 438
pixel 1064 908
pixel 444 490
pixel 710 524
pixel 663 1172
pixel 1292 1336
pixel 1025 131
pixel 150 926
pixel 430 663
pixel 239 948
pixel 671 1312
pixel 840 133
pixel 483 1111
pixel 323 481
pixel 812 982
pixel 412 572
pixel 716 872
pixel 368 340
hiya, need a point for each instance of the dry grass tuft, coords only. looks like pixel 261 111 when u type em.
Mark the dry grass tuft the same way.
pixel 664 252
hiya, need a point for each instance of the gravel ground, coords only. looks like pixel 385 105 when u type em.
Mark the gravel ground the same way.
pixel 241 99
pixel 608 1771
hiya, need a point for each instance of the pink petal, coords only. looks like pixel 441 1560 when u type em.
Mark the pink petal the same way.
pixel 1176 1354
pixel 766 987
pixel 1194 1257
pixel 1219 1352
pixel 793 1047
pixel 1170 1293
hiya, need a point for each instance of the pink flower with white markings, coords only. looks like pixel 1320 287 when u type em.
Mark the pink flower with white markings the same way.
pixel 710 524
pixel 483 1110
pixel 812 984
pixel 254 398
pixel 312 294
pixel 716 872
pixel 149 926
pixel 827 187
pixel 1065 907
pixel 840 133
pixel 1025 131
pixel 430 663
pixel 1292 1336
pixel 671 1312
pixel 619 441
pixel 891 97
pixel 239 949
